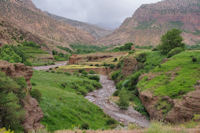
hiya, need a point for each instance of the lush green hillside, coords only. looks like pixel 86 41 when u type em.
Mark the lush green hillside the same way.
pixel 28 53
pixel 176 77
pixel 64 106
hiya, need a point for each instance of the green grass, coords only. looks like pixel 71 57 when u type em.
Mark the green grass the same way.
pixel 186 74
pixel 62 106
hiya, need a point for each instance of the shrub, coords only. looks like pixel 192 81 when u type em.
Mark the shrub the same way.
pixel 124 99
pixel 194 59
pixel 115 60
pixel 116 93
pixel 36 94
pixel 94 77
pixel 97 65
pixel 110 122
pixel 85 126
pixel 112 66
pixel 33 84
pixel 115 75
pixel 92 72
pixel 125 47
pixel 175 51
pixel 171 40
pixel 141 57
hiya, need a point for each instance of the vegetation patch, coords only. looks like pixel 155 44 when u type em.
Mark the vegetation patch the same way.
pixel 85 49
pixel 64 106
pixel 28 53
pixel 12 92
pixel 182 82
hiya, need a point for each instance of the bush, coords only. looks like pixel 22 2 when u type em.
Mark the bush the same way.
pixel 112 66
pixel 124 99
pixel 115 60
pixel 141 57
pixel 97 65
pixel 194 59
pixel 85 126
pixel 34 84
pixel 94 77
pixel 110 122
pixel 125 47
pixel 175 51
pixel 92 72
pixel 115 75
pixel 171 40
pixel 36 94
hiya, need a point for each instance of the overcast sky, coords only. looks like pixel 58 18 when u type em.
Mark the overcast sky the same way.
pixel 106 13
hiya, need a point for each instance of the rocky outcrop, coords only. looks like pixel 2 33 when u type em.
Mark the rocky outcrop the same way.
pixel 180 110
pixel 33 111
pixel 130 65
pixel 151 21
pixel 186 108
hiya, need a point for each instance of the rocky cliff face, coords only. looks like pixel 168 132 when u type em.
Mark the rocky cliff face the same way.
pixel 150 21
pixel 25 16
pixel 33 111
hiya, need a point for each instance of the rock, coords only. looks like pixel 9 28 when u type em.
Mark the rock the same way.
pixel 182 110
pixel 33 111
pixel 33 114
pixel 130 65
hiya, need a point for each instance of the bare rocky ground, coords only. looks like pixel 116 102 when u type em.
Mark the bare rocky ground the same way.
pixel 101 98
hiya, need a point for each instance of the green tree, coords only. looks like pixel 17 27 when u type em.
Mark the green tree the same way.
pixel 171 40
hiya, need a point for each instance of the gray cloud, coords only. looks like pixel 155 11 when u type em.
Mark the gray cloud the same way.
pixel 107 13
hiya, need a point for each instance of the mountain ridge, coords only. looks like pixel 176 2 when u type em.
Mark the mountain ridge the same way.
pixel 24 15
pixel 150 21
pixel 94 30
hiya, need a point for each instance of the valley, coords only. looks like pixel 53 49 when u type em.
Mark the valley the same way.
pixel 59 75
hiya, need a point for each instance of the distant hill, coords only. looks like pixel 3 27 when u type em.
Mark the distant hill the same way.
pixel 150 21
pixel 95 31
pixel 23 15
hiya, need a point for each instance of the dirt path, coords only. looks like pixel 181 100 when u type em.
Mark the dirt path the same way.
pixel 101 99
pixel 51 66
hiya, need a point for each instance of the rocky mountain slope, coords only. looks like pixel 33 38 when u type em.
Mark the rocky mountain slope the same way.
pixel 95 31
pixel 26 17
pixel 150 21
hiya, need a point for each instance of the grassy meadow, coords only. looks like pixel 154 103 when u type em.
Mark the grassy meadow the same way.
pixel 64 105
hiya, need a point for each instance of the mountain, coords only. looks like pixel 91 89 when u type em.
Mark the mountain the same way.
pixel 95 31
pixel 23 15
pixel 150 21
